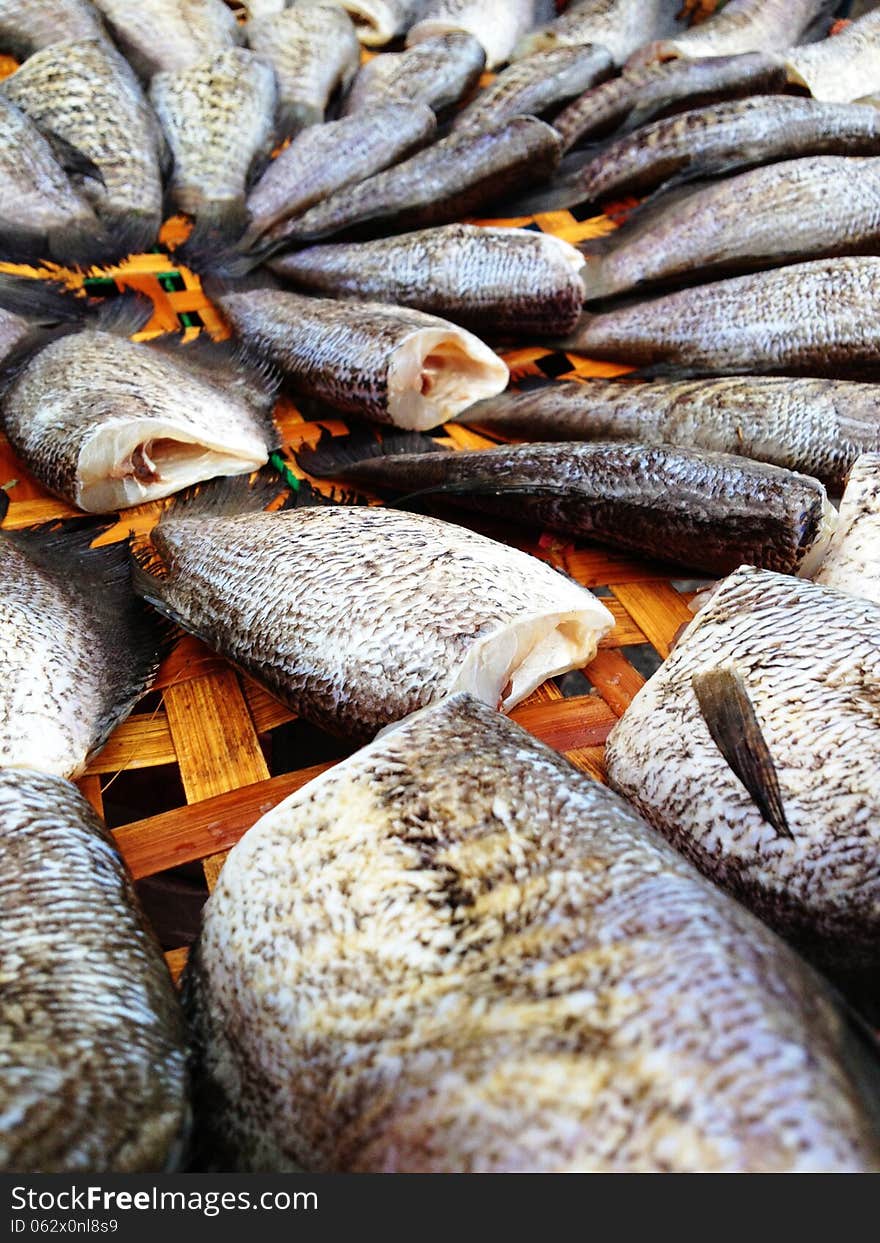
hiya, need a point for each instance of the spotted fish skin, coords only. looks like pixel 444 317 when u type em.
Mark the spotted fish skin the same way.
pixel 494 281
pixel 106 423
pixel 387 363
pixel 325 158
pixel 162 36
pixel 766 217
pixel 811 318
pixel 92 1042
pixel 743 26
pixel 498 24
pixel 436 72
pixel 817 427
pixel 810 660
pixel 42 214
pixel 535 85
pixel 720 138
pixel 452 178
pixel 27 26
pixel 709 511
pixel 515 933
pixel 619 25
pixel 370 614
pixel 86 92
pixel 637 94
pixel 841 69
pixel 219 118
pixel 853 560
pixel 313 49
pixel 77 649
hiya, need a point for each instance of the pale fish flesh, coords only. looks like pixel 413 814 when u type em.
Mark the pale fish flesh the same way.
pixel 498 24
pixel 853 560
pixel 841 69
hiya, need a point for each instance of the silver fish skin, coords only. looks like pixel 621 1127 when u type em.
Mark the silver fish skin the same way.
pixel 638 94
pixel 437 72
pixel 536 84
pixel 313 50
pixel 809 659
pixel 841 69
pixel 87 93
pixel 708 511
pixel 766 217
pixel 107 423
pixel 453 177
pixel 77 649
pixel 743 26
pixel 219 118
pixel 498 24
pixel 811 318
pixel 386 363
pixel 42 215
pixel 27 26
pixel 165 36
pixel 494 281
pixel 710 141
pixel 518 935
pixel 852 563
pixel 621 26
pixel 816 427
pixel 326 158
pixel 377 22
pixel 93 1050
pixel 370 614
pixel 27 305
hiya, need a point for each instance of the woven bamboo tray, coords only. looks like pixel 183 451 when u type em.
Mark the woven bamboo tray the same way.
pixel 210 733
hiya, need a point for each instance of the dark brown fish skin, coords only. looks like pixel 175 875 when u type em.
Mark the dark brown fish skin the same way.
pixel 709 511
pixel 639 94
pixel 451 179
pixel 704 142
pixel 533 86
pixel 812 208
pixel 437 72
pixel 93 1071
pixel 816 318
pixel 743 26
pixel 27 26
pixel 497 282
pixel 817 427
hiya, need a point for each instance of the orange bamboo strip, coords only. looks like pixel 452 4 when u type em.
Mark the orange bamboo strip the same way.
pixel 90 788
pixel 176 960
pixel 565 724
pixel 615 679
pixel 589 760
pixel 657 608
pixel 143 741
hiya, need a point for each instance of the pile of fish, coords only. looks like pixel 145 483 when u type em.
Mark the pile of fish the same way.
pixel 453 951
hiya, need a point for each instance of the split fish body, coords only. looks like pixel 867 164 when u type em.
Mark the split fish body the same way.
pixel 709 511
pixel 493 281
pixel 498 24
pixel 843 68
pixel 422 963
pixel 811 318
pixel 387 363
pixel 743 26
pixel 86 93
pixel 817 427
pixel 808 660
pixel 436 72
pixel 365 614
pixel 313 50
pixel 93 1051
pixel 853 560
pixel 377 22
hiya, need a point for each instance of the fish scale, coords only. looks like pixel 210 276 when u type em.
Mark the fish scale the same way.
pixel 437 72
pixel 189 31
pixel 743 26
pixel 621 26
pixel 498 24
pixel 515 933
pixel 92 1042
pixel 27 26
pixel 810 660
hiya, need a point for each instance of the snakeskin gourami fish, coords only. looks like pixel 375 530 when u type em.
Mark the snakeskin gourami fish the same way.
pixel 498 24
pixel 159 36
pixel 455 953
pixel 744 26
pixel 436 72
pixel 619 25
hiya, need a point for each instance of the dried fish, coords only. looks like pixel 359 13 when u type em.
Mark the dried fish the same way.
pixel 498 24
pixel 744 26
pixel 619 25
pixel 421 963
pixel 169 35
pixel 365 614
pixel 377 22
pixel 841 69
pixel 27 26
pixel 437 72
pixel 853 560
pixel 508 282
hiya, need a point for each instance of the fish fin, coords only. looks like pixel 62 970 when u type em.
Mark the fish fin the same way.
pixel 41 301
pixel 730 718
pixel 333 455
pixel 71 159
pixel 217 226
pixel 134 641
pixel 227 496
pixel 123 315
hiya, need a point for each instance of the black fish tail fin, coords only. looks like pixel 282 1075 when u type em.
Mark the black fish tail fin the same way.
pixel 124 315
pixel 730 718
pixel 217 227
pixel 333 455
pixel 42 301
pixel 74 161
pixel 565 189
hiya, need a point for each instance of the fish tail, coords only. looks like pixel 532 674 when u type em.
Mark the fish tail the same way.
pixel 133 231
pixel 132 639
pixel 333 455
pixel 123 315
pixel 74 161
pixel 565 189
pixel 229 496
pixel 217 227
pixel 43 302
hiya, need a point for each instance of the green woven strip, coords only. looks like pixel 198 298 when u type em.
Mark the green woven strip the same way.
pixel 284 470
